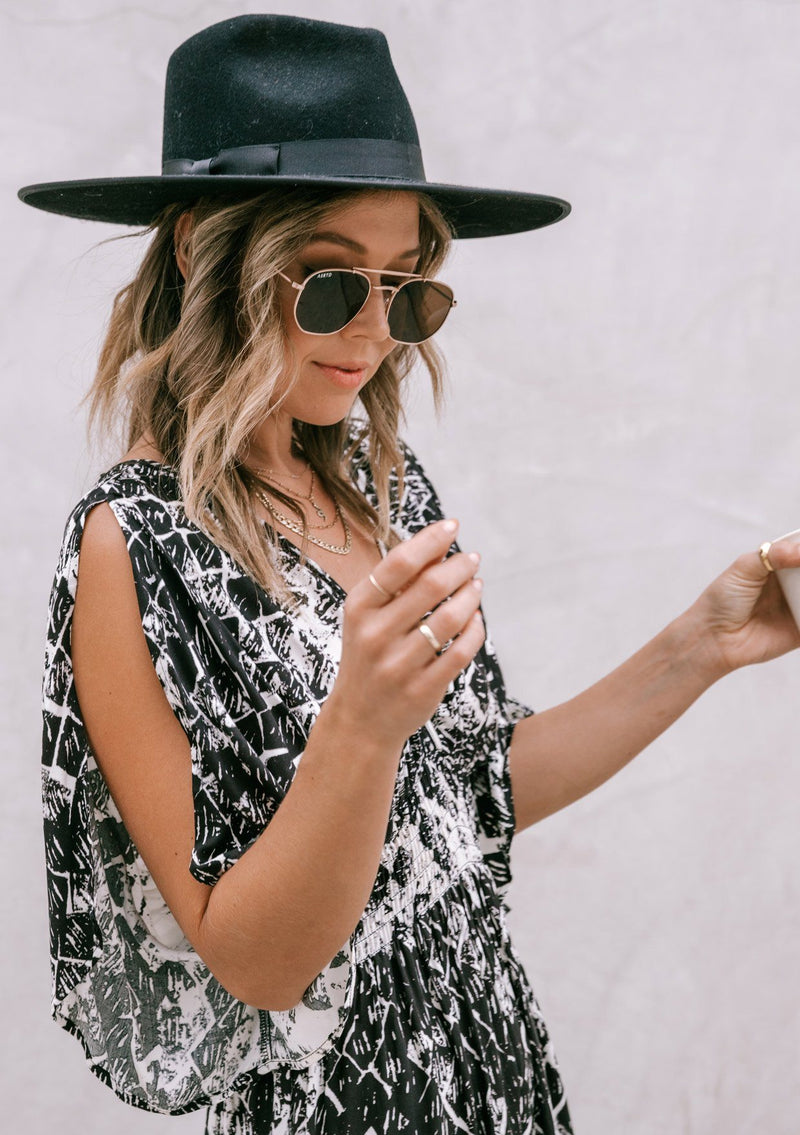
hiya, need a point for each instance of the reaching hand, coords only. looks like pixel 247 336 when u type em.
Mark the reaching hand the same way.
pixel 744 611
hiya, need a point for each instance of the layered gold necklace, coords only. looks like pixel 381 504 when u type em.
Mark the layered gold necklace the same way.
pixel 293 526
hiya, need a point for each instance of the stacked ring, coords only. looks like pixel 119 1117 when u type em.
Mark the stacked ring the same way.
pixel 425 630
pixel 382 590
pixel 763 552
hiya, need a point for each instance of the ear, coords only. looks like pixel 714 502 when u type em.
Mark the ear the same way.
pixel 183 230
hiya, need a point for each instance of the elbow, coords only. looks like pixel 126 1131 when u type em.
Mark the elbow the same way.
pixel 256 972
pixel 269 998
pixel 270 992
pixel 273 996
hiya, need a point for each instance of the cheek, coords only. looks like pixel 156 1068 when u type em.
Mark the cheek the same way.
pixel 298 339
pixel 286 308
pixel 391 348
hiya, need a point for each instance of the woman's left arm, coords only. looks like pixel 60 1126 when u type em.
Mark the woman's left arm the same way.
pixel 563 753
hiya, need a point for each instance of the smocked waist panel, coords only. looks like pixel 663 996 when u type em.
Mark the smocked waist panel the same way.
pixel 429 872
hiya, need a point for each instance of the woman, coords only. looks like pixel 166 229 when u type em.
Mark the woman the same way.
pixel 260 580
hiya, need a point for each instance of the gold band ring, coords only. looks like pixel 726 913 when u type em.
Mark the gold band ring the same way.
pixel 424 629
pixel 382 590
pixel 763 552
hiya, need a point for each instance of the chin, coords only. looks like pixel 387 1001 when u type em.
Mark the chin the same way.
pixel 327 416
pixel 322 419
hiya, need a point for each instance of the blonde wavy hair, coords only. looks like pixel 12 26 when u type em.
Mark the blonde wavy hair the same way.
pixel 193 365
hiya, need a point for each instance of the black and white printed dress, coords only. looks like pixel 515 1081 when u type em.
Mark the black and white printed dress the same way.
pixel 424 1022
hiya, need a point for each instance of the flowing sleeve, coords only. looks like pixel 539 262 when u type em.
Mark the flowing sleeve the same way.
pixel 491 775
pixel 154 1023
pixel 479 703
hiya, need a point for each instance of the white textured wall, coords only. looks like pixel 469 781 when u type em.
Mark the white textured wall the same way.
pixel 623 421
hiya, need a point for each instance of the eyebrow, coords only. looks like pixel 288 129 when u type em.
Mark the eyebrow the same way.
pixel 353 245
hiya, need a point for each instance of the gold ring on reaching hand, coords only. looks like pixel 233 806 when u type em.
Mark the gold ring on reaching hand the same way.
pixel 763 552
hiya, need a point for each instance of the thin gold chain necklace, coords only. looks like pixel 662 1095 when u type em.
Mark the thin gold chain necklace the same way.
pixel 291 476
pixel 294 527
pixel 306 497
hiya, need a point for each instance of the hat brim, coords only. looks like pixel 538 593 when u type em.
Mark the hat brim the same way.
pixel 471 212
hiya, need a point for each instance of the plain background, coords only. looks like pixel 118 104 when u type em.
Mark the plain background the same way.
pixel 623 422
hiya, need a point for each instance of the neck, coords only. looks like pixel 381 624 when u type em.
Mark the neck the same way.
pixel 270 446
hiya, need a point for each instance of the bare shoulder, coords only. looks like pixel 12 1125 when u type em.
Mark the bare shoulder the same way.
pixel 102 535
pixel 145 449
pixel 105 577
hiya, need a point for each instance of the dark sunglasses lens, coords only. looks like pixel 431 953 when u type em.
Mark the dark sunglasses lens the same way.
pixel 418 310
pixel 329 301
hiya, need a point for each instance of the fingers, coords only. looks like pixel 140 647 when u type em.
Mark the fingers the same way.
pixel 389 670
pixel 434 590
pixel 449 619
pixel 424 581
pixel 404 562
pixel 460 652
pixel 439 594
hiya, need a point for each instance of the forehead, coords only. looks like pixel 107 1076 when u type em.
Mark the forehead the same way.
pixel 383 221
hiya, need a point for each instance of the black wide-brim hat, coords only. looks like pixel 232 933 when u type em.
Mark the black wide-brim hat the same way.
pixel 257 101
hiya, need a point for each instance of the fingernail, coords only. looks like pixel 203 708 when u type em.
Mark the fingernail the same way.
pixel 449 525
pixel 475 557
pixel 477 584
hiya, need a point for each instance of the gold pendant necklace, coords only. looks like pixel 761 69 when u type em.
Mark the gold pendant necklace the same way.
pixel 306 497
pixel 294 527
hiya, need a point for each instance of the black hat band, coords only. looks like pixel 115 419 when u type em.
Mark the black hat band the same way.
pixel 316 157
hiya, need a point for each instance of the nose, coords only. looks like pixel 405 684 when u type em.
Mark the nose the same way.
pixel 371 322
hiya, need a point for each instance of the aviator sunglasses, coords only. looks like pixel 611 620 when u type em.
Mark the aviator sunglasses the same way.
pixel 331 298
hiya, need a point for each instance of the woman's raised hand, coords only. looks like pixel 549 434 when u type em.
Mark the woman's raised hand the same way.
pixel 743 615
pixel 390 677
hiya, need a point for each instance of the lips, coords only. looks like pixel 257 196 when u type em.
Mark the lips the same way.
pixel 347 375
pixel 353 365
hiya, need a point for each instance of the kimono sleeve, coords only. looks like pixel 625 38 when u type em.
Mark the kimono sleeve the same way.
pixel 154 1023
pixel 232 697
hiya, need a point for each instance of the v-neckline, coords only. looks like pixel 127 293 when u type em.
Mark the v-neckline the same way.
pixel 326 577
pixel 317 567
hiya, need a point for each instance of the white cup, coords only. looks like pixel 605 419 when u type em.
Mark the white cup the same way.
pixel 789 579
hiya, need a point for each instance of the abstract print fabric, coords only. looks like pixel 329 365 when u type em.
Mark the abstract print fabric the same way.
pixel 424 1021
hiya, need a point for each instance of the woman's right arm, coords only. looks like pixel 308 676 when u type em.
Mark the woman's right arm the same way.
pixel 278 916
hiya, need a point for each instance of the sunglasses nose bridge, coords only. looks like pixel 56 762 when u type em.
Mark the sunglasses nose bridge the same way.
pixel 380 303
pixel 389 295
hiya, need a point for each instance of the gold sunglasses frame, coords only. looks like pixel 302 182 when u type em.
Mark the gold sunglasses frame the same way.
pixel 409 277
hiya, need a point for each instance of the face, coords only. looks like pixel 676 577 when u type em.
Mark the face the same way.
pixel 379 230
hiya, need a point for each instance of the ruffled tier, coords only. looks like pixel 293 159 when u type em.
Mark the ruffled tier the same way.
pixel 444 1035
